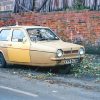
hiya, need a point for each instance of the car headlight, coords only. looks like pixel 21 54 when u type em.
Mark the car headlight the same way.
pixel 81 51
pixel 59 53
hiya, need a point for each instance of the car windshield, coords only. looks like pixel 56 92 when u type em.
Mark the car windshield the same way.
pixel 41 34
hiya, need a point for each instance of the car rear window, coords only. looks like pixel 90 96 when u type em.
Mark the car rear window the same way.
pixel 4 35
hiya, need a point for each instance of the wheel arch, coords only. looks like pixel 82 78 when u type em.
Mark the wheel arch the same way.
pixel 2 54
pixel 3 61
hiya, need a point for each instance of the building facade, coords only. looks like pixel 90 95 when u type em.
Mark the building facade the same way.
pixel 7 5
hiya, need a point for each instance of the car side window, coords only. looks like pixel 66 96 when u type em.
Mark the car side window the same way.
pixel 17 36
pixel 5 35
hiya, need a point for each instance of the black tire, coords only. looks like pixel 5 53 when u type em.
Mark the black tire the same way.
pixel 2 61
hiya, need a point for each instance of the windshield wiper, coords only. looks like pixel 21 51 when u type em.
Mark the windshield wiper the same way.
pixel 55 39
pixel 48 39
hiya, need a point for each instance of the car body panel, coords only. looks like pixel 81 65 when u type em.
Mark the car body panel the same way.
pixel 39 58
pixel 19 52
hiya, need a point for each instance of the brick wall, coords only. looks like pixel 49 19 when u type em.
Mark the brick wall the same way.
pixel 78 27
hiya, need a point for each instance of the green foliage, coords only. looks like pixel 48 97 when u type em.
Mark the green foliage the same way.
pixel 79 4
pixel 87 67
pixel 41 76
pixel 93 49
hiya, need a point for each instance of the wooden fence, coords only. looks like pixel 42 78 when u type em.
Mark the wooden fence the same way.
pixel 54 5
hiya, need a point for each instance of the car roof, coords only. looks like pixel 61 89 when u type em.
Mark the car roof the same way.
pixel 24 27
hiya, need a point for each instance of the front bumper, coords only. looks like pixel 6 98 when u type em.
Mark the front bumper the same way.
pixel 68 60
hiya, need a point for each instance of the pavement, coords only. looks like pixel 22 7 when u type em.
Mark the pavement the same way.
pixel 16 87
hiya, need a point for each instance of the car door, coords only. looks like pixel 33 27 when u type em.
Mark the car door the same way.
pixel 18 50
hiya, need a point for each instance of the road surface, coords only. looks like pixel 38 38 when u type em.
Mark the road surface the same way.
pixel 15 87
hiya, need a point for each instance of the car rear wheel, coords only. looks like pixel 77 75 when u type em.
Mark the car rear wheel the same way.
pixel 2 61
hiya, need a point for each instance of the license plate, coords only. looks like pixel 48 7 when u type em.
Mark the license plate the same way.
pixel 71 61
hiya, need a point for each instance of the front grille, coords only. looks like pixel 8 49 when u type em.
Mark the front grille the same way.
pixel 71 52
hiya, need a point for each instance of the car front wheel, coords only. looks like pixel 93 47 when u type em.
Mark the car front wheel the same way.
pixel 2 61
